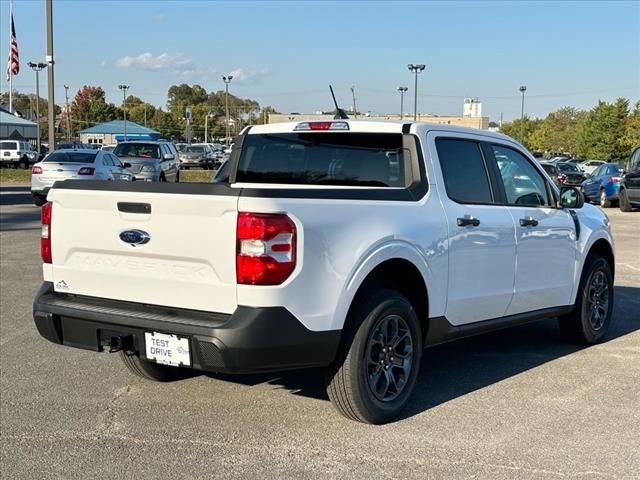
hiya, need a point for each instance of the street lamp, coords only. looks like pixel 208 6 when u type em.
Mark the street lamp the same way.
pixel 124 89
pixel 66 101
pixel 416 69
pixel 523 88
pixel 226 81
pixel 36 68
pixel 402 91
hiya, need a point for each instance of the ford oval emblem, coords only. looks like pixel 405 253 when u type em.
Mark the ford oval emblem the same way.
pixel 135 237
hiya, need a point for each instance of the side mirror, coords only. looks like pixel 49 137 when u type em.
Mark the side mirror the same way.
pixel 126 165
pixel 571 197
pixel 168 156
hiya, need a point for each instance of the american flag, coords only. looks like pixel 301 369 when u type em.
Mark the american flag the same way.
pixel 13 67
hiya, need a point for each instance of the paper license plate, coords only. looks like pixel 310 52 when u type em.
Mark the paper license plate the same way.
pixel 167 349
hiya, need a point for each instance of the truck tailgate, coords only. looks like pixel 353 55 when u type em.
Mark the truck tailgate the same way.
pixel 188 262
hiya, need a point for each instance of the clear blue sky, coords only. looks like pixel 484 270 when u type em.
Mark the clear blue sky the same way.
pixel 286 53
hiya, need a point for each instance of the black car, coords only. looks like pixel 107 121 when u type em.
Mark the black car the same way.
pixel 629 194
pixel 564 173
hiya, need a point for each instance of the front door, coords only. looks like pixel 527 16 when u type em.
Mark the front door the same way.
pixel 482 247
pixel 546 248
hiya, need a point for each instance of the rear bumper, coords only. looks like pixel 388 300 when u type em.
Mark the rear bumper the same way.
pixel 249 340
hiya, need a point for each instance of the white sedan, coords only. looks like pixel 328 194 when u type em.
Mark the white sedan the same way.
pixel 72 164
pixel 589 166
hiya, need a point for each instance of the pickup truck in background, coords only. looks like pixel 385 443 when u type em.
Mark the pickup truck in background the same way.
pixel 348 245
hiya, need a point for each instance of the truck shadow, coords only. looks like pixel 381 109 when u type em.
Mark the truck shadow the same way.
pixel 455 369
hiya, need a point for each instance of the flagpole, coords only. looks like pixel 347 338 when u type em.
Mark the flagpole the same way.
pixel 9 66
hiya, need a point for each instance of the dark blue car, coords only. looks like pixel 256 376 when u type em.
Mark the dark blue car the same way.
pixel 603 185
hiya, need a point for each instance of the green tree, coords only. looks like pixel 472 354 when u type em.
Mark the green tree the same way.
pixel 603 132
pixel 522 130
pixel 90 107
pixel 558 133
pixel 631 137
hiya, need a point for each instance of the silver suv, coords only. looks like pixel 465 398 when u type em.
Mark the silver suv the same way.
pixel 151 161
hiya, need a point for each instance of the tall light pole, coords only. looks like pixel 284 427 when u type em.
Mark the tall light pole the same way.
pixel 523 88
pixel 66 102
pixel 402 91
pixel 416 69
pixel 353 96
pixel 124 89
pixel 226 81
pixel 36 68
pixel 51 114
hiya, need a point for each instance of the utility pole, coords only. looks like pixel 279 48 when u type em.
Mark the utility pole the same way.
pixel 66 101
pixel 206 127
pixel 523 88
pixel 145 115
pixel 402 91
pixel 416 69
pixel 226 81
pixel 36 68
pixel 51 115
pixel 353 96
pixel 124 89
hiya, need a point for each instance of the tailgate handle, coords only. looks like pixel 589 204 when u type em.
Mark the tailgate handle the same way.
pixel 129 207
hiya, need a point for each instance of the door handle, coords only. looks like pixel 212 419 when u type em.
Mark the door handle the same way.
pixel 464 221
pixel 528 222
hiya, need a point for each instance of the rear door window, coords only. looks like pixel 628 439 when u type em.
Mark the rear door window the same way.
pixel 350 159
pixel 464 171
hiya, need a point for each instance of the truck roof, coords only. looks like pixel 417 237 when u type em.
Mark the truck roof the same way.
pixel 380 126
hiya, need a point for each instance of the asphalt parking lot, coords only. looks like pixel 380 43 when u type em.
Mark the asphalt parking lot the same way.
pixel 513 404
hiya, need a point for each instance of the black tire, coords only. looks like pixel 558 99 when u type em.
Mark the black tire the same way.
pixel 153 371
pixel 177 177
pixel 579 326
pixel 623 201
pixel 351 376
pixel 38 200
pixel 25 163
pixel 162 178
pixel 604 201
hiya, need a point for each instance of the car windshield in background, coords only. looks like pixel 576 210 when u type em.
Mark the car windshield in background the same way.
pixel 568 167
pixel 354 159
pixel 71 157
pixel 138 150
pixel 194 149
pixel 8 145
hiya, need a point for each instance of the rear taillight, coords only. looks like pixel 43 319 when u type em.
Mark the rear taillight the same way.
pixel 614 179
pixel 265 248
pixel 36 170
pixel 561 178
pixel 86 171
pixel 45 238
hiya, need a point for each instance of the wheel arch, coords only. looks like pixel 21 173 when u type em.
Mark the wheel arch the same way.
pixel 603 248
pixel 396 273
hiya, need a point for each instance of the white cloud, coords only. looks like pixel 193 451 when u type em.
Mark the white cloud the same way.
pixel 148 61
pixel 242 75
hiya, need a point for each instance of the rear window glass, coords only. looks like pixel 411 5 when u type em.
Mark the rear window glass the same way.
pixel 568 167
pixel 71 157
pixel 349 159
pixel 194 149
pixel 8 145
pixel 550 169
pixel 139 150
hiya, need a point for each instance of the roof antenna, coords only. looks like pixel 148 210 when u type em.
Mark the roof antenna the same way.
pixel 340 113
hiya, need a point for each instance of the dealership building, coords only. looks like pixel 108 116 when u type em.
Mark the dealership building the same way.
pixel 113 132
pixel 16 128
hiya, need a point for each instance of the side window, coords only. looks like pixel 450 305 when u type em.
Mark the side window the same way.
pixel 523 184
pixel 598 171
pixel 464 170
pixel 634 164
pixel 107 161
pixel 116 161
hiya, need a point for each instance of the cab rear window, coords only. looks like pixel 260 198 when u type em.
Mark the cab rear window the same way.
pixel 8 145
pixel 349 159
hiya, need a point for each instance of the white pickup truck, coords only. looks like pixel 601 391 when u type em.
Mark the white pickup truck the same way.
pixel 349 245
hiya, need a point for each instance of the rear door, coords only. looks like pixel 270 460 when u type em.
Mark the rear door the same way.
pixel 482 248
pixel 187 262
pixel 546 238
pixel 632 177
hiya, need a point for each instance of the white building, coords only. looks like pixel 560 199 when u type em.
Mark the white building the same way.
pixel 472 108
